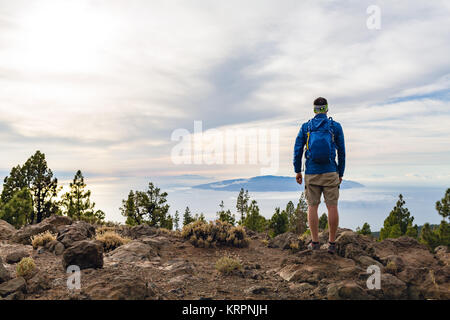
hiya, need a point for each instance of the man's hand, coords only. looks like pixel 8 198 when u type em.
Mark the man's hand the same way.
pixel 299 178
pixel 340 180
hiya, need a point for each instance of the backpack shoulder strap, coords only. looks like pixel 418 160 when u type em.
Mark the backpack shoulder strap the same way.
pixel 331 126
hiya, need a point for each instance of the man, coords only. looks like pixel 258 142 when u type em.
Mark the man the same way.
pixel 321 136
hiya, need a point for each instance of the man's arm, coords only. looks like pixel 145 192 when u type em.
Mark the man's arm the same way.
pixel 298 153
pixel 340 144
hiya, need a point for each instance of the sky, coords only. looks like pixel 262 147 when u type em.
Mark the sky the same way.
pixel 101 86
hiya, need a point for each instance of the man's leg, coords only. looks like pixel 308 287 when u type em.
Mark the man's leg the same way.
pixel 313 222
pixel 333 221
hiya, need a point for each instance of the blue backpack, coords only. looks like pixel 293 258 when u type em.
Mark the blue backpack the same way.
pixel 320 146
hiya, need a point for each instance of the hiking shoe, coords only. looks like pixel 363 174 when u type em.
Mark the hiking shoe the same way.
pixel 332 247
pixel 314 246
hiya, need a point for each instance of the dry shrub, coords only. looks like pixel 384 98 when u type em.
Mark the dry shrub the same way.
pixel 265 242
pixel 391 267
pixel 111 240
pixel 218 233
pixel 227 265
pixel 42 239
pixel 164 231
pixel 104 229
pixel 25 267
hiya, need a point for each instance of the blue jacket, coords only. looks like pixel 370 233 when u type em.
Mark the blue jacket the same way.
pixel 312 167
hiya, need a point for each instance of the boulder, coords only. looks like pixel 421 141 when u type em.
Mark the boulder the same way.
pixel 4 274
pixel 284 241
pixel 6 230
pixel 178 267
pixel 16 256
pixel 443 255
pixel 392 287
pixel 120 288
pixel 77 231
pixel 366 261
pixel 133 251
pixel 84 254
pixel 353 245
pixel 346 290
pixel 53 224
pixel 56 247
pixel 12 286
pixel 39 282
pixel 256 290
pixel 139 231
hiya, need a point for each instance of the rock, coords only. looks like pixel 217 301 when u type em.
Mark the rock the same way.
pixel 84 254
pixel 6 230
pixel 16 256
pixel 346 290
pixel 120 288
pixel 256 290
pixel 179 267
pixel 312 267
pixel 301 287
pixel 4 274
pixel 38 283
pixel 77 231
pixel 156 242
pixel 132 252
pixel 12 286
pixel 56 247
pixel 178 280
pixel 443 254
pixel 52 224
pixel 392 287
pixel 366 261
pixel 411 252
pixel 283 241
pixel 393 263
pixel 140 231
pixel 352 245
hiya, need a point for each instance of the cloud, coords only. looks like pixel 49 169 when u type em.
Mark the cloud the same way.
pixel 102 85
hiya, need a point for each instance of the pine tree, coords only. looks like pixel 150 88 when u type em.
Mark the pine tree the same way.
pixel 279 222
pixel 187 217
pixel 364 230
pixel 253 220
pixel 176 220
pixel 399 219
pixel 443 206
pixel 38 178
pixel 149 207
pixel 298 217
pixel 77 201
pixel 18 210
pixel 225 215
pixel 323 221
pixel 242 203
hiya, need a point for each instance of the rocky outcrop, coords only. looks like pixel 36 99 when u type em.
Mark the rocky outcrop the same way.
pixel 77 231
pixel 139 231
pixel 16 256
pixel 6 230
pixel 84 254
pixel 4 274
pixel 287 240
pixel 120 288
pixel 133 251
pixel 12 286
pixel 53 224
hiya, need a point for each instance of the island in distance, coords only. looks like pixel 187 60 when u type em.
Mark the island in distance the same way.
pixel 265 184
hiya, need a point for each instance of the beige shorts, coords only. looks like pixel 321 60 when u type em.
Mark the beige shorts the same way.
pixel 326 183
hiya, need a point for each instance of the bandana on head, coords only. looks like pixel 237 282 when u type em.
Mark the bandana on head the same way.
pixel 321 109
